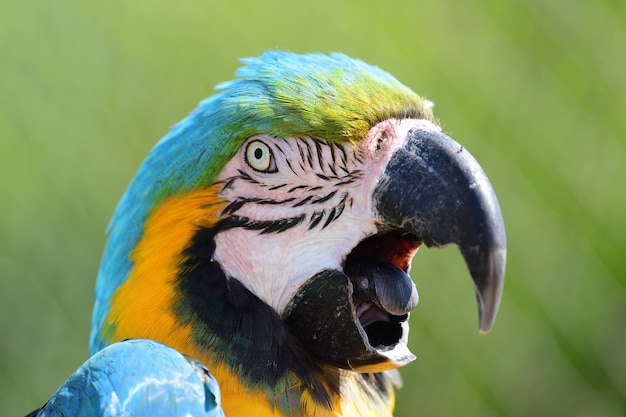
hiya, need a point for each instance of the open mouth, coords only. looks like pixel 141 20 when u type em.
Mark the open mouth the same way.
pixel 383 293
pixel 357 318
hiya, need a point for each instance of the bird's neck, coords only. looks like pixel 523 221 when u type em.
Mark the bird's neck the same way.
pixel 178 295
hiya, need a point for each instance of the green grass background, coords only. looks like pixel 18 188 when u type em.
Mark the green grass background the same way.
pixel 535 89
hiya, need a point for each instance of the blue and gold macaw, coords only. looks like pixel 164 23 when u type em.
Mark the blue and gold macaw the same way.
pixel 267 240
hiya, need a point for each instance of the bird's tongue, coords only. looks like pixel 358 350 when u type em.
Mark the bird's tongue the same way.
pixel 382 283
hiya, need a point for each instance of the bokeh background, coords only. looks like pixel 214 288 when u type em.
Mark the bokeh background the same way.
pixel 535 89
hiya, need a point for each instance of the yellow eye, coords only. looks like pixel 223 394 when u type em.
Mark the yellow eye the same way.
pixel 260 157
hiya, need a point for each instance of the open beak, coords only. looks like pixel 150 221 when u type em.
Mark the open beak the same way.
pixel 432 191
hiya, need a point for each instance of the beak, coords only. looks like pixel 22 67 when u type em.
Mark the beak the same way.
pixel 435 190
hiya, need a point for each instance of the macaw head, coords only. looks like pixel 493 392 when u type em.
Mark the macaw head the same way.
pixel 273 229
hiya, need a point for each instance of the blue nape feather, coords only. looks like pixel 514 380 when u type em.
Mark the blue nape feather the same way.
pixel 137 377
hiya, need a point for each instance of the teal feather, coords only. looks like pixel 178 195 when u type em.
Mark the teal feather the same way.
pixel 137 378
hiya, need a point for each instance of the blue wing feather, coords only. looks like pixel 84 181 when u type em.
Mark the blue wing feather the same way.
pixel 137 377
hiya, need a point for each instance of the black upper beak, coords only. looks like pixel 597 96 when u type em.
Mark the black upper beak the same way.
pixel 433 188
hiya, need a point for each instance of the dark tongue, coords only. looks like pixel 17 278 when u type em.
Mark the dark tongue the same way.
pixel 384 283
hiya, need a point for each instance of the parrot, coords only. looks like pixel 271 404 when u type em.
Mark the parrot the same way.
pixel 258 263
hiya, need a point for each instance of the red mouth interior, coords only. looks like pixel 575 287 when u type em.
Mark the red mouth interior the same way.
pixel 392 247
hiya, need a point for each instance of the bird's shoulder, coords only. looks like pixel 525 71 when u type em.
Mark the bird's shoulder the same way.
pixel 137 377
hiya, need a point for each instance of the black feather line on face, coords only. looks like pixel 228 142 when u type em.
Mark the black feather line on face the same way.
pixel 266 226
pixel 297 187
pixel 332 146
pixel 303 201
pixel 242 331
pixel 301 150
pixel 318 150
pixel 309 154
pixel 316 218
pixel 330 217
pixel 236 205
pixel 332 169
pixel 277 187
pixel 243 175
pixel 325 198
pixel 344 158
pixel 289 165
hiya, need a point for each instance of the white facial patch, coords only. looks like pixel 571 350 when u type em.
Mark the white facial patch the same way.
pixel 301 208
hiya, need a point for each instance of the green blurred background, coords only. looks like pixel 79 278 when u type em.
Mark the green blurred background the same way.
pixel 535 89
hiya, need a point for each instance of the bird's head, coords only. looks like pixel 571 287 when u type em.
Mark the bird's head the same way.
pixel 284 214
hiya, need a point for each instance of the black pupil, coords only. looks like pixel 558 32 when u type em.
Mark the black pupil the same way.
pixel 258 153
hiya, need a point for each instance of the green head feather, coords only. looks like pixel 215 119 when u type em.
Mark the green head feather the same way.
pixel 334 97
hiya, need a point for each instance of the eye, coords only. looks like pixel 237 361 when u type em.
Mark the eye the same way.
pixel 260 157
